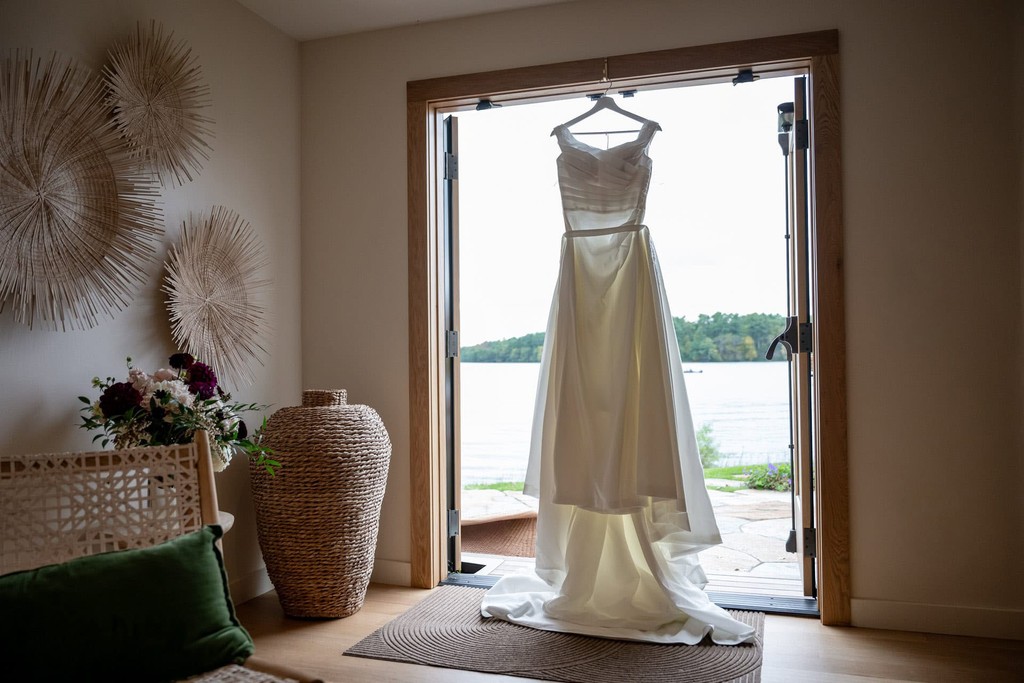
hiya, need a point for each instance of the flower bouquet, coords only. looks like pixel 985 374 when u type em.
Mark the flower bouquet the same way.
pixel 168 406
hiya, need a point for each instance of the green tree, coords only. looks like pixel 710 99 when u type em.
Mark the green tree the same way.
pixel 703 350
pixel 525 349
pixel 726 336
pixel 763 328
pixel 707 446
pixel 708 339
pixel 750 349
pixel 730 347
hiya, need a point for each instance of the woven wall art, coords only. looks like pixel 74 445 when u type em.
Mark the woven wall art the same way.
pixel 213 280
pixel 155 87
pixel 78 223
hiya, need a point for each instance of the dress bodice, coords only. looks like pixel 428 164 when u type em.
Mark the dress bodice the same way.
pixel 604 188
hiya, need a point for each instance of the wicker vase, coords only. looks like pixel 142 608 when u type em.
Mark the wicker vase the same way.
pixel 317 519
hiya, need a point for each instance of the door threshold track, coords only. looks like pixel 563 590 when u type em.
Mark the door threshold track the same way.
pixel 470 580
pixel 769 604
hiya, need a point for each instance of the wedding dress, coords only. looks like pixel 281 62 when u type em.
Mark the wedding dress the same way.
pixel 623 510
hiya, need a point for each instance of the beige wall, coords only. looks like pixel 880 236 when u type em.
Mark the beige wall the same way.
pixel 253 74
pixel 932 248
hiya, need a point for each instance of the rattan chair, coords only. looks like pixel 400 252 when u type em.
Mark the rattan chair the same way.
pixel 60 506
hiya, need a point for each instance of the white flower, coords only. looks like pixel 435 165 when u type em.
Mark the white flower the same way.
pixel 177 394
pixel 228 424
pixel 221 457
pixel 165 375
pixel 138 379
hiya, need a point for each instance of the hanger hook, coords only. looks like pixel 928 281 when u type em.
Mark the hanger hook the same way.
pixel 595 96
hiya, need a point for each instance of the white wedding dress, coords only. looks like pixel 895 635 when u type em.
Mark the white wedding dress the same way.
pixel 623 510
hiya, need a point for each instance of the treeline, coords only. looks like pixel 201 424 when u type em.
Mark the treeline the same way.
pixel 525 349
pixel 727 337
pixel 708 339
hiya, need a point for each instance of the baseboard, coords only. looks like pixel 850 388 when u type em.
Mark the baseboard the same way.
pixel 253 584
pixel 981 622
pixel 257 582
pixel 392 572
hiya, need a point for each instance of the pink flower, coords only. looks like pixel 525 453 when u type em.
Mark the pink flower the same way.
pixel 165 375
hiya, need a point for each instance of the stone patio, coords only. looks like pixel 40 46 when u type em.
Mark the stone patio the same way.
pixel 754 525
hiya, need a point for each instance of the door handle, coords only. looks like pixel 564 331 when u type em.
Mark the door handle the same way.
pixel 796 338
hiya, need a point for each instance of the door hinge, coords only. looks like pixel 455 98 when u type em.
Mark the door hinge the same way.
pixel 745 76
pixel 453 523
pixel 805 336
pixel 802 138
pixel 451 344
pixel 451 166
pixel 810 542
pixel 797 338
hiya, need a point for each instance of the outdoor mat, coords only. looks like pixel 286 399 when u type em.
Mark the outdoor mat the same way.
pixel 446 630
pixel 506 537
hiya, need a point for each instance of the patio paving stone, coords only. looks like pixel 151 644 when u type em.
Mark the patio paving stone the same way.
pixel 754 526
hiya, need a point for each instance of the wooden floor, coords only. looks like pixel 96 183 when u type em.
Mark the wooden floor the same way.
pixel 797 649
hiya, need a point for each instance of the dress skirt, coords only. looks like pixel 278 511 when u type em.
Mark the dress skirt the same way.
pixel 623 510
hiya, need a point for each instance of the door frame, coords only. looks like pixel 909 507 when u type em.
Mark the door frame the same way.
pixel 801 359
pixel 817 54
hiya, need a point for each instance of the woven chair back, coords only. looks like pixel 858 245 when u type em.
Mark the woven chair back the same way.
pixel 58 506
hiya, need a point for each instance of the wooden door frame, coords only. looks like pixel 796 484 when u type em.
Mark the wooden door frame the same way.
pixel 818 54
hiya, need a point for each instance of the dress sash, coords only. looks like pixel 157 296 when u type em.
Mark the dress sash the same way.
pixel 629 227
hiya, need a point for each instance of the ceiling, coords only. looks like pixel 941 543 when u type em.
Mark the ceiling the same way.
pixel 311 19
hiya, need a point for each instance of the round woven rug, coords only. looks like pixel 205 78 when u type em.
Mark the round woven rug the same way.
pixel 446 630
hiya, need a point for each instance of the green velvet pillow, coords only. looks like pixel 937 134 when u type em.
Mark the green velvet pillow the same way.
pixel 147 614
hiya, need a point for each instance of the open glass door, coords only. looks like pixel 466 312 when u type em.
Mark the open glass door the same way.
pixel 449 177
pixel 796 338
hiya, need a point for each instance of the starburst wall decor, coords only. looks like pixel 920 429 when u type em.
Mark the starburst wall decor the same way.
pixel 156 90
pixel 213 277
pixel 78 222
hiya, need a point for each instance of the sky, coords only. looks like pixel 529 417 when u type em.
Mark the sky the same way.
pixel 715 209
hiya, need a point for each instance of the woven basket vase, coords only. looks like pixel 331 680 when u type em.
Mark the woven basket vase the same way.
pixel 317 519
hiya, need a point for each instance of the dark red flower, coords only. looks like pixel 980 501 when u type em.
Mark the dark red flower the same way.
pixel 182 361
pixel 119 398
pixel 202 381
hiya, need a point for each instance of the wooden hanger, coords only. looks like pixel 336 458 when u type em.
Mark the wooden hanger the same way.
pixel 606 102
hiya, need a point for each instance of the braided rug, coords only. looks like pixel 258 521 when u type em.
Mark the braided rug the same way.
pixel 446 630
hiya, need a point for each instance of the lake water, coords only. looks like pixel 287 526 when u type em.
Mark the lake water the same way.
pixel 746 404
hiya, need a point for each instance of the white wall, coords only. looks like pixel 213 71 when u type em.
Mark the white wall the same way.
pixel 253 74
pixel 932 257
